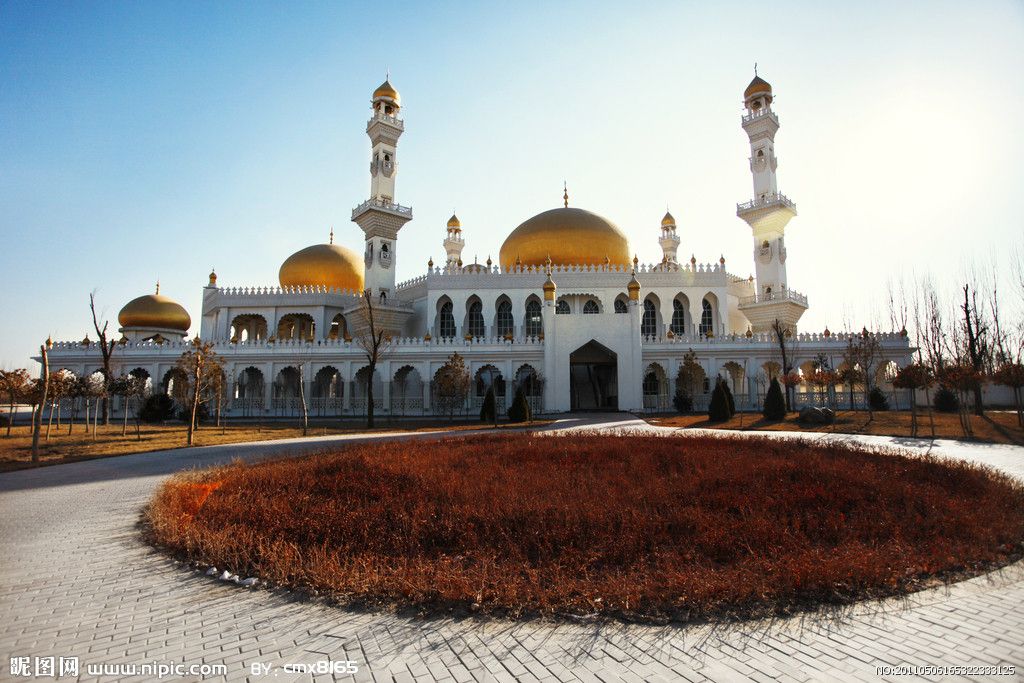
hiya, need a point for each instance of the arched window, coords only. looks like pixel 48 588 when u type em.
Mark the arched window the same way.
pixel 476 319
pixel 678 317
pixel 649 323
pixel 707 319
pixel 446 324
pixel 620 306
pixel 562 308
pixel 651 384
pixel 533 320
pixel 505 322
pixel 591 307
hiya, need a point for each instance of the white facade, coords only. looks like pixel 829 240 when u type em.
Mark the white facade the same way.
pixel 592 344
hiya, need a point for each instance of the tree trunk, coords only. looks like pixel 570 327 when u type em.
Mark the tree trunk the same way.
pixel 10 417
pixel 38 419
pixel 369 394
pixel 124 425
pixel 49 422
pixel 913 414
pixel 192 420
pixel 1020 412
pixel 302 401
pixel 931 412
pixel 979 408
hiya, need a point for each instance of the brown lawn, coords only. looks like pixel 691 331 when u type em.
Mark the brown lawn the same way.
pixel 647 528
pixel 16 451
pixel 995 427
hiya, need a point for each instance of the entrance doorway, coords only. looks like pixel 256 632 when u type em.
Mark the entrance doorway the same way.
pixel 593 378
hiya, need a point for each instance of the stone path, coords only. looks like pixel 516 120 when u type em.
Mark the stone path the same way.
pixel 75 581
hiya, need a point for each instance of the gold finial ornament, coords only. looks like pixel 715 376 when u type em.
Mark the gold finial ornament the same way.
pixel 693 259
pixel 49 342
pixel 213 276
pixel 828 333
pixel 158 286
pixel 430 263
pixel 489 262
pixel 549 288
pixel 721 259
pixel 331 238
pixel 547 264
pixel 86 341
pixel 750 332
pixel 427 337
pixel 634 288
pixel 565 194
pixel 635 261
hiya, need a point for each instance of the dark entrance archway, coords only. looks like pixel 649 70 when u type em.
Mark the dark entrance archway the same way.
pixel 593 378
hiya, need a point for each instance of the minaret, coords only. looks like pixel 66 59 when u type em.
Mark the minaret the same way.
pixel 669 240
pixel 767 215
pixel 453 242
pixel 380 216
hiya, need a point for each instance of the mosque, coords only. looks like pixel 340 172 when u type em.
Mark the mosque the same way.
pixel 567 312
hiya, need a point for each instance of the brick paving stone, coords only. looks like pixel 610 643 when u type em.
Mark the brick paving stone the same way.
pixel 76 580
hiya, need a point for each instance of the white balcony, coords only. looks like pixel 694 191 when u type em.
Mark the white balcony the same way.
pixel 766 202
pixel 380 204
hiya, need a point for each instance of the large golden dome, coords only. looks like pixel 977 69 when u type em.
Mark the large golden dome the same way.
pixel 323 265
pixel 570 236
pixel 154 311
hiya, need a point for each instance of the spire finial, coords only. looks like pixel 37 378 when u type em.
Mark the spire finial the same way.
pixel 158 286
pixel 755 68
pixel 565 193
pixel 332 236
pixel 387 72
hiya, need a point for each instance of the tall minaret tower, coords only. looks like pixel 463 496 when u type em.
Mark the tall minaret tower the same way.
pixel 767 215
pixel 453 242
pixel 669 240
pixel 380 216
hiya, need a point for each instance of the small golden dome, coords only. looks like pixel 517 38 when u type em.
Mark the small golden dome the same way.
pixel 323 265
pixel 549 289
pixel 385 89
pixel 756 87
pixel 569 236
pixel 634 288
pixel 453 222
pixel 154 311
pixel 213 277
pixel 667 220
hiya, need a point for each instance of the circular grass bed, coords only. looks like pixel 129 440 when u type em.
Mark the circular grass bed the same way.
pixel 641 528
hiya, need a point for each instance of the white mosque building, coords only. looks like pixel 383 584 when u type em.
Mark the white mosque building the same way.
pixel 567 312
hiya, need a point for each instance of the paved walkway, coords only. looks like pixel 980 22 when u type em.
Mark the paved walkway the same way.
pixel 75 580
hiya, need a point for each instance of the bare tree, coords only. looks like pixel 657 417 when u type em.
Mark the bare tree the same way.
pixel 37 417
pixel 782 339
pixel 376 343
pixel 451 383
pixel 106 350
pixel 976 330
pixel 13 384
pixel 201 366
pixel 863 351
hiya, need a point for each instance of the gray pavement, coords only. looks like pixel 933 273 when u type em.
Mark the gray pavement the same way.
pixel 76 581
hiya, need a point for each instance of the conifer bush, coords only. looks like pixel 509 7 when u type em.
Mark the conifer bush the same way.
pixel 774 402
pixel 519 411
pixel 718 408
pixel 489 407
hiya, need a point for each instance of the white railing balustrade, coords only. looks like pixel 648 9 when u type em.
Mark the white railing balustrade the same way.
pixel 774 199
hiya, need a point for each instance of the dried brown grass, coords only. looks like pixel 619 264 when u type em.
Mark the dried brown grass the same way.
pixel 631 527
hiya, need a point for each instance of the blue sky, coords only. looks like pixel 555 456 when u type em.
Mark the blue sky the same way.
pixel 155 140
